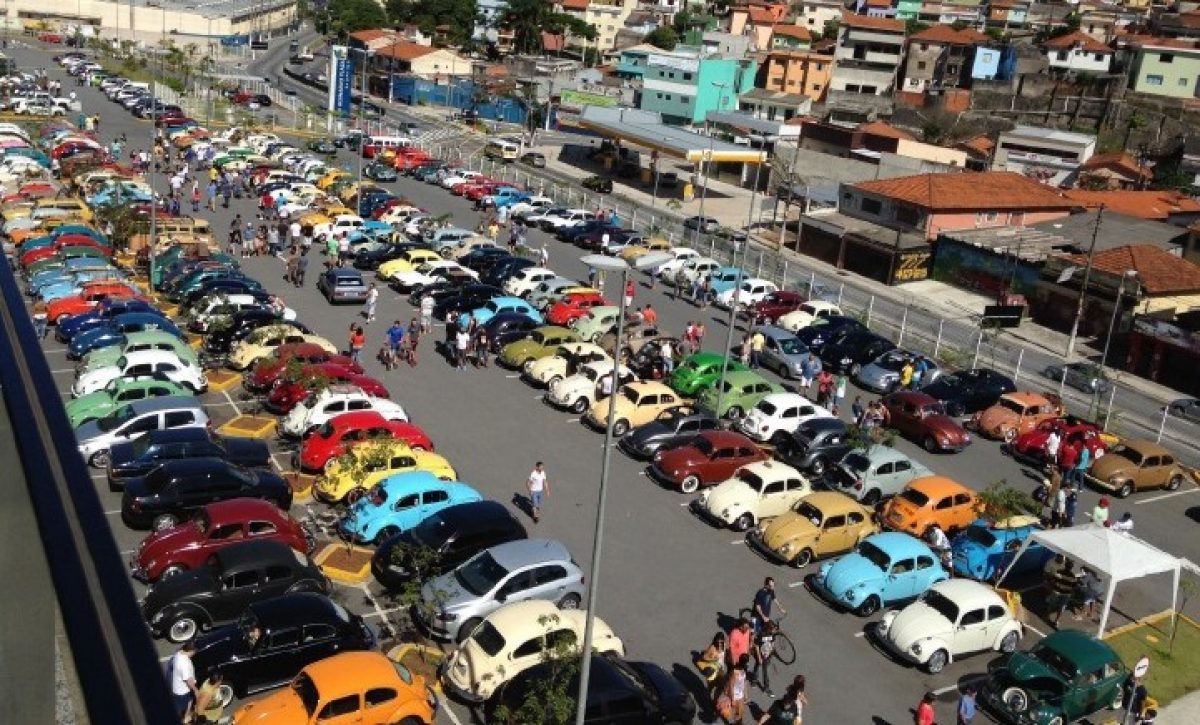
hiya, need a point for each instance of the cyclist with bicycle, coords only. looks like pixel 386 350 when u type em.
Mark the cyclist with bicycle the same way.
pixel 765 631
pixel 764 600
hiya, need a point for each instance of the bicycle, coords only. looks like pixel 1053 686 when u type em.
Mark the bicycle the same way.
pixel 777 644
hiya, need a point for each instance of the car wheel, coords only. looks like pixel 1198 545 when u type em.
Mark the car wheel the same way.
pixel 868 607
pixel 163 522
pixel 872 497
pixel 570 601
pixel 937 662
pixel 183 629
pixel 1015 699
pixel 172 570
pixel 1175 482
pixel 743 522
pixel 1010 435
pixel 620 428
pixel 690 484
pixel 579 407
pixel 99 459
pixel 817 467
pixel 386 533
pixel 930 444
pixel 1008 644
pixel 1125 490
pixel 803 559
pixel 735 412
pixel 467 627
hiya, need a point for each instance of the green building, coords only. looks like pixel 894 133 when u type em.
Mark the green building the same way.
pixel 683 85
pixel 1166 67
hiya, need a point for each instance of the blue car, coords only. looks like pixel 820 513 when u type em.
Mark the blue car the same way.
pixel 500 305
pixel 118 194
pixel 101 316
pixel 37 243
pixel 885 568
pixel 114 332
pixel 983 550
pixel 79 229
pixel 400 502
pixel 725 278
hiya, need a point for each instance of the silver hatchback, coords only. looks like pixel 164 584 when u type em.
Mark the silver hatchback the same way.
pixel 453 604
pixel 882 375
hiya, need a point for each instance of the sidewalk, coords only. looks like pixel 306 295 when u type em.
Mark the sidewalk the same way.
pixel 1184 711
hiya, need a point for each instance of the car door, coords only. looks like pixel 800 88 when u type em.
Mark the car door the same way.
pixel 138 426
pixel 239 588
pixel 223 535
pixel 404 511
pixel 900 582
pixel 274 658
pixel 432 501
pixel 834 536
pixel 773 500
pixel 1150 473
pixel 341 711
pixel 549 582
pixel 517 587
pixel 971 631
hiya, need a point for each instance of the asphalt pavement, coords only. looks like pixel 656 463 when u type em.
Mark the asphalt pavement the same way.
pixel 668 581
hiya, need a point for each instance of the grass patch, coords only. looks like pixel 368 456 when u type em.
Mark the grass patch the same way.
pixel 1171 675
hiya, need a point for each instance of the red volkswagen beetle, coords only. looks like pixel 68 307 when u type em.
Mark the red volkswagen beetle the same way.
pixel 1071 430
pixel 263 375
pixel 707 459
pixel 574 306
pixel 287 394
pixel 88 299
pixel 334 437
pixel 188 545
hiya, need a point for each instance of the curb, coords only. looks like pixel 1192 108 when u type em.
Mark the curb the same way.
pixel 344 576
pixel 398 653
pixel 221 380
pixel 249 426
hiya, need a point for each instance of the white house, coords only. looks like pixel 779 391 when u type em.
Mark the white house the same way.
pixel 1078 52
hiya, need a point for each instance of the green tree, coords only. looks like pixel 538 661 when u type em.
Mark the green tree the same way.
pixel 550 699
pixel 528 19
pixel 999 501
pixel 350 16
pixel 663 37
pixel 459 15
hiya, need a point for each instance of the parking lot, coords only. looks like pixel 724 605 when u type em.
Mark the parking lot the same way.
pixel 668 580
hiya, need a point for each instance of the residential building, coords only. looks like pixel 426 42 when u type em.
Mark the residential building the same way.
pixel 757 20
pixel 1166 67
pixel 943 57
pixel 929 204
pixel 1100 24
pixel 1007 14
pixel 877 8
pixel 816 14
pixel 769 105
pixel 871 141
pixel 1175 25
pixel 1077 52
pixel 1047 16
pixel 908 9
pixel 1117 170
pixel 487 19
pixel 683 85
pixel 868 55
pixel 607 17
pixel 948 12
pixel 790 37
pixel 373 39
pixel 714 42
pixel 1169 206
pixel 978 150
pixel 796 72
pixel 410 58
pixel 1045 154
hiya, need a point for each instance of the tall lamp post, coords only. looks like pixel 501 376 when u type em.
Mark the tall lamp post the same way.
pixel 362 122
pixel 605 264
pixel 1129 274
pixel 707 162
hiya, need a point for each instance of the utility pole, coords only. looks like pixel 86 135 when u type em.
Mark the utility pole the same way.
pixel 1087 275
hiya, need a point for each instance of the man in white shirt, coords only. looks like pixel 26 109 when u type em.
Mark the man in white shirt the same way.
pixel 461 342
pixel 183 678
pixel 427 313
pixel 294 233
pixel 1053 441
pixel 538 487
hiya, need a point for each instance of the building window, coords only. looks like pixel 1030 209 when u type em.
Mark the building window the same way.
pixel 658 96
pixel 670 75
pixel 872 206
pixel 924 47
pixel 987 217
pixel 685 99
pixel 1183 81
pixel 778 82
pixel 1166 58
pixel 1099 57
pixel 687 76
pixel 816 86
pixel 920 65
pixel 1154 80
pixel 1063 55
pixel 907 215
pixel 667 97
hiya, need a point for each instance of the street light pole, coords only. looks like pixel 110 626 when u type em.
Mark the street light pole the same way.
pixel 362 122
pixel 707 162
pixel 1087 275
pixel 1112 322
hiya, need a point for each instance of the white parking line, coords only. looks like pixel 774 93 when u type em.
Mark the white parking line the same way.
pixel 112 513
pixel 510 377
pixel 737 542
pixel 1165 495
pixel 378 610
pixel 793 585
pixel 964 683
pixel 574 420
pixel 62 370
pixel 1035 630
pixel 275 462
pixel 860 633
pixel 442 707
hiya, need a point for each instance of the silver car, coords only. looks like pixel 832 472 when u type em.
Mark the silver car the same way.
pixel 453 604
pixel 882 375
pixel 872 474
pixel 782 352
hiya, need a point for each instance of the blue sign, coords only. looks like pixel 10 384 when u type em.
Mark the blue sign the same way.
pixel 341 79
pixel 231 41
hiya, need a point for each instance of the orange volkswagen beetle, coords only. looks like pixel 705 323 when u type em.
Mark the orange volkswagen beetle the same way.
pixel 1017 413
pixel 364 688
pixel 931 500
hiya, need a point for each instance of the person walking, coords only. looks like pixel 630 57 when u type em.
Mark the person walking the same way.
pixel 427 313
pixel 667 355
pixel 41 318
pixel 925 714
pixel 758 341
pixel 462 341
pixel 539 489
pixel 789 709
pixel 1082 463
pixel 301 268
pixel 711 664
pixel 764 600
pixel 358 340
pixel 1058 511
pixel 649 316
pixel 966 706
pixel 840 383
pixel 629 292
pixel 183 678
pixel 1071 507
pixel 1053 441
pixel 731 705
pixel 825 389
pixel 372 301
pixel 395 338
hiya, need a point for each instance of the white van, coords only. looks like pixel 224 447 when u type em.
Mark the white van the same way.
pixel 498 148
pixel 378 144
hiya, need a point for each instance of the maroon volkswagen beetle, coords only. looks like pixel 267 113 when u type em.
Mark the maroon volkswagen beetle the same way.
pixel 189 544
pixel 711 457
pixel 922 418
pixel 287 394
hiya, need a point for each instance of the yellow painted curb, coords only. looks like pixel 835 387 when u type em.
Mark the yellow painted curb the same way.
pixel 1143 622
pixel 170 310
pixel 397 653
pixel 194 341
pixel 221 380
pixel 344 576
pixel 301 485
pixel 249 426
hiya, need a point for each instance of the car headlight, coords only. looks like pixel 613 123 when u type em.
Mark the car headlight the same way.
pixel 916 648
pixel 158 617
pixel 447 616
pixel 786 549
pixel 1114 479
pixel 725 513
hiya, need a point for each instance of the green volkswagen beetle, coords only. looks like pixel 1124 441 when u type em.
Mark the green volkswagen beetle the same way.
pixel 134 341
pixel 742 391
pixel 1067 676
pixel 699 371
pixel 119 392
pixel 542 342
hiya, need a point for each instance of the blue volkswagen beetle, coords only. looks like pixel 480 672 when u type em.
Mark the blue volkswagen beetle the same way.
pixel 400 502
pixel 114 332
pixel 983 550
pixel 885 568
pixel 499 305
pixel 101 316
pixel 725 278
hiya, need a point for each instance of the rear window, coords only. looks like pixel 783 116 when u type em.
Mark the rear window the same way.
pixel 488 638
pixel 914 497
pixel 768 408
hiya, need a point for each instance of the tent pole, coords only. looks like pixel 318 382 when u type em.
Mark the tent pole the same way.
pixel 1024 545
pixel 1108 597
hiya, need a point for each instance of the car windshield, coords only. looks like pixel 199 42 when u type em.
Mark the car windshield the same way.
pixel 938 602
pixel 875 555
pixel 1054 660
pixel 891 361
pixel 810 512
pixel 703 445
pixel 1133 455
pixel 915 497
pixel 856 462
pixel 980 535
pixel 480 574
pixel 792 346
pixel 306 690
pixel 119 416
pixel 751 479
pixel 488 638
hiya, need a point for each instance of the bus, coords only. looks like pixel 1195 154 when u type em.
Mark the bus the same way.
pixel 498 148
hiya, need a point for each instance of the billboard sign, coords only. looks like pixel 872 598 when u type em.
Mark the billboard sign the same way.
pixel 341 79
pixel 578 99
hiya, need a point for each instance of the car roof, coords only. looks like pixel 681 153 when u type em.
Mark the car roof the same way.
pixel 1146 447
pixel 238 509
pixel 787 399
pixel 934 486
pixel 525 614
pixel 165 402
pixel 644 387
pixel 473 512
pixel 345 273
pixel 260 551
pixel 1083 649
pixel 725 438
pixel 351 672
pixel 176 435
pixel 357 419
pixel 880 453
pixel 968 594
pixel 743 376
pixel 820 425
pixel 915 397
pixel 409 480
pixel 832 503
pixel 187 466
pixel 898 544
pixel 1027 397
pixel 296 609
pixel 775 332
pixel 525 552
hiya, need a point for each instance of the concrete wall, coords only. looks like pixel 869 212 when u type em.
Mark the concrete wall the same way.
pixel 929 152
pixel 145 24
pixel 1179 78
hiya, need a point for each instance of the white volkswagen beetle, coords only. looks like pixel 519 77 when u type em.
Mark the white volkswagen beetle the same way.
pixel 565 362
pixel 333 401
pixel 581 391
pixel 953 618
pixel 808 313
pixel 758 491
pixel 144 362
pixel 780 413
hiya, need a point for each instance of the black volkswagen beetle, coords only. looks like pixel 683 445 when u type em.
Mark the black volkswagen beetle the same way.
pixel 276 638
pixel 670 428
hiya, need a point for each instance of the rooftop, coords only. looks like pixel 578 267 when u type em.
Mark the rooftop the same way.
pixel 792 31
pixel 647 129
pixel 835 222
pixel 1071 234
pixel 1159 272
pixel 947 35
pixel 986 190
pixel 574 4
pixel 1142 204
pixel 979 146
pixel 865 22
pixel 1152 41
pixel 1050 134
pixel 366 36
pixel 1078 39
pixel 1120 162
pixel 883 128
pixel 405 50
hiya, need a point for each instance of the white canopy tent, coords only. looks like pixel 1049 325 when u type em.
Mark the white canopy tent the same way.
pixel 1114 555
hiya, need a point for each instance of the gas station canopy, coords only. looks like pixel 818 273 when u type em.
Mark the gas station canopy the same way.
pixel 646 128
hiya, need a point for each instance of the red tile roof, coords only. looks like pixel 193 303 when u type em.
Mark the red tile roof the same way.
pixel 1159 271
pixel 792 31
pixel 366 36
pixel 405 50
pixel 1085 42
pixel 946 35
pixel 1151 41
pixel 865 22
pixel 1120 162
pixel 984 191
pixel 1158 205
pixel 574 4
pixel 981 146
pixel 882 128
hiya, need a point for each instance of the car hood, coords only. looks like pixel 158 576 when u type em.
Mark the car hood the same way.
pixel 1112 464
pixel 995 418
pixel 945 425
pixel 518 348
pixel 279 707
pixel 679 457
pixel 1034 440
pixel 790 527
pixel 850 571
pixel 916 622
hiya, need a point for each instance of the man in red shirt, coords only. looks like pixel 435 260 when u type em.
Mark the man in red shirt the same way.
pixel 739 642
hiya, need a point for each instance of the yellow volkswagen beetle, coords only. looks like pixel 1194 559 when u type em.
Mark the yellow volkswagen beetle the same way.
pixel 262 344
pixel 353 474
pixel 406 262
pixel 631 253
pixel 637 404
pixel 330 177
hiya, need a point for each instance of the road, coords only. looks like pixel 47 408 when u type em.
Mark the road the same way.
pixel 668 580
